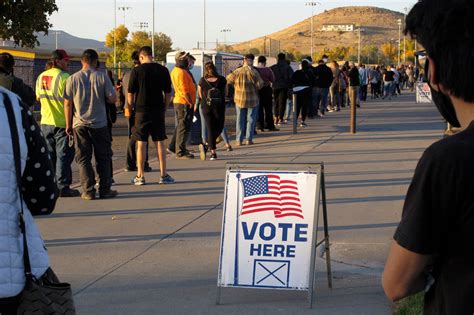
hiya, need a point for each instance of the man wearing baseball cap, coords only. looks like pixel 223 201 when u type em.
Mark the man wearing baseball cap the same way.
pixel 50 87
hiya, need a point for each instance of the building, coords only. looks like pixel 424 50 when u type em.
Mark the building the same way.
pixel 338 27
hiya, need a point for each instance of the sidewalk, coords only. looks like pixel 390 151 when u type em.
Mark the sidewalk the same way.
pixel 154 249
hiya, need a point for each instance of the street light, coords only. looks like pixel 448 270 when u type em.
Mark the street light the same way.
pixel 312 4
pixel 153 32
pixel 359 45
pixel 124 8
pixel 405 38
pixel 399 21
pixel 225 31
pixel 204 16
pixel 141 25
pixel 115 37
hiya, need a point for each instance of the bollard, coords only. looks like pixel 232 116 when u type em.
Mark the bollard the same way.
pixel 354 95
pixel 295 115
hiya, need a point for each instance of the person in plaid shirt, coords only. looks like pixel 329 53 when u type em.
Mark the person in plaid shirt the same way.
pixel 247 82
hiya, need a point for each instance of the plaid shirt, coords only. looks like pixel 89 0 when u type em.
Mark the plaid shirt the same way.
pixel 247 82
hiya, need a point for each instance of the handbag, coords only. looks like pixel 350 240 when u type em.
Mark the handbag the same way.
pixel 39 296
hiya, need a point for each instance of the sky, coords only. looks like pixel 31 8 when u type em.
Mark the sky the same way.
pixel 183 20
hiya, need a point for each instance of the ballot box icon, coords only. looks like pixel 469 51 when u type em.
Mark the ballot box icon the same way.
pixel 271 273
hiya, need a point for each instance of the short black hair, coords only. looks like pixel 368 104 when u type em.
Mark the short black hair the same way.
pixel 250 56
pixel 146 51
pixel 445 30
pixel 135 57
pixel 90 56
pixel 262 59
pixel 281 56
pixel 7 62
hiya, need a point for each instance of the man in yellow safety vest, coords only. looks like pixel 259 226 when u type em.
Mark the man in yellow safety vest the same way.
pixel 50 87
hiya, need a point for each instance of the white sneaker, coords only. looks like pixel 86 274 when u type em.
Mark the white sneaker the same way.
pixel 138 181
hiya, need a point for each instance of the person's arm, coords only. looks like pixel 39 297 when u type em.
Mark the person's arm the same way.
pixel 168 97
pixel 110 92
pixel 131 100
pixel 404 272
pixel 68 105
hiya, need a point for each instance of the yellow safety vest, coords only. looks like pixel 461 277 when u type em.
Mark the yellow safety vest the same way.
pixel 50 87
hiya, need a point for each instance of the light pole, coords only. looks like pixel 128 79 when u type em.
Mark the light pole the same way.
pixel 225 31
pixel 56 33
pixel 115 35
pixel 359 46
pixel 141 25
pixel 405 38
pixel 204 15
pixel 399 21
pixel 153 32
pixel 312 4
pixel 124 8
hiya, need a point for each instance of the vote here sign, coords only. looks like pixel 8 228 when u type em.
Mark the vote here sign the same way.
pixel 268 228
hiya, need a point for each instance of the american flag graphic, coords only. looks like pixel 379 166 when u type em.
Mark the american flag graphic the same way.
pixel 270 193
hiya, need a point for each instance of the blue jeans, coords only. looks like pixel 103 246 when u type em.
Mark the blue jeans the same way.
pixel 246 121
pixel 224 135
pixel 61 154
pixel 387 87
pixel 321 99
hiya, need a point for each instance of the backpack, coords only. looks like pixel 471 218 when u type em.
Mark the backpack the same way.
pixel 214 95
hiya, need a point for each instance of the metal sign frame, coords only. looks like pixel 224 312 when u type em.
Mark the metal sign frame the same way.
pixel 320 199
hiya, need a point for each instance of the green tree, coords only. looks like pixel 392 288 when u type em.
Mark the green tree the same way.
pixel 163 44
pixel 21 19
pixel 254 51
pixel 121 41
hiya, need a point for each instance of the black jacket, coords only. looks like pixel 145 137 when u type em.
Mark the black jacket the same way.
pixel 302 78
pixel 283 73
pixel 323 75
pixel 354 79
pixel 16 85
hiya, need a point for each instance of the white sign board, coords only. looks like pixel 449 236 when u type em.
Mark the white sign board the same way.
pixel 423 93
pixel 268 227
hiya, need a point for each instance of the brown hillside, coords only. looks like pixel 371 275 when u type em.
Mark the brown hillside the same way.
pixel 378 25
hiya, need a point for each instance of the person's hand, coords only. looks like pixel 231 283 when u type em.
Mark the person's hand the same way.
pixel 69 131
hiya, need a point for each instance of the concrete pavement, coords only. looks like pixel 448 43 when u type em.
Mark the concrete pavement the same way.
pixel 154 249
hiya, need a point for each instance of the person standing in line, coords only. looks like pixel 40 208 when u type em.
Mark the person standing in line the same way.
pixel 129 114
pixel 184 105
pixel 39 193
pixel 396 81
pixel 354 84
pixel 364 82
pixel 334 88
pixel 211 90
pixel 388 79
pixel 265 110
pixel 302 82
pixel 9 81
pixel 432 250
pixel 283 73
pixel 86 94
pixel 323 80
pixel 50 87
pixel 149 93
pixel 247 83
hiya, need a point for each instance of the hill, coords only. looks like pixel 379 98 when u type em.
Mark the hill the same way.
pixel 378 25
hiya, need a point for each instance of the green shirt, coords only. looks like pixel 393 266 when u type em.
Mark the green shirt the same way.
pixel 50 87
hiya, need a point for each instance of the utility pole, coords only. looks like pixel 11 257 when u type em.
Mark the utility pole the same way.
pixel 124 8
pixel 312 4
pixel 115 35
pixel 359 46
pixel 399 21
pixel 56 33
pixel 405 38
pixel 153 32
pixel 204 24
pixel 225 31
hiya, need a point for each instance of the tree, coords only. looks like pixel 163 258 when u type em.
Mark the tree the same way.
pixel 163 44
pixel 389 50
pixel 21 19
pixel 254 51
pixel 121 34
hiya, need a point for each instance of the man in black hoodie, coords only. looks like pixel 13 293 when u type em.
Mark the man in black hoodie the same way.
pixel 323 80
pixel 283 73
pixel 12 83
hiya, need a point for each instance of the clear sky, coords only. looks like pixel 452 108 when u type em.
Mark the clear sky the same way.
pixel 183 19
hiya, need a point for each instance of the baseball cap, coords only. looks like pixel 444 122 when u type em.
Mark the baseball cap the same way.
pixel 60 54
pixel 182 55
